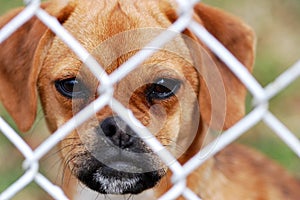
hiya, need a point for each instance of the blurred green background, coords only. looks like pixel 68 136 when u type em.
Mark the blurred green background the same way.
pixel 277 27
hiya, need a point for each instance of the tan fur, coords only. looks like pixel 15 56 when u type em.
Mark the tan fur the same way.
pixel 33 58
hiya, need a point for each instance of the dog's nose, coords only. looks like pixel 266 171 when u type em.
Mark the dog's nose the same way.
pixel 119 133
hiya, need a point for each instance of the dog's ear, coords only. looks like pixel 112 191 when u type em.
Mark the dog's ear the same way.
pixel 21 56
pixel 228 105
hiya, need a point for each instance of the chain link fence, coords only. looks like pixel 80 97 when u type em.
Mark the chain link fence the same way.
pixel 260 111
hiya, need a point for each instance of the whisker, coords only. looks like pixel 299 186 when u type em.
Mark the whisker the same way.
pixel 64 147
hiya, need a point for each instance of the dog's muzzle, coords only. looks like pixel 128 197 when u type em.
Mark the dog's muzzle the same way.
pixel 119 162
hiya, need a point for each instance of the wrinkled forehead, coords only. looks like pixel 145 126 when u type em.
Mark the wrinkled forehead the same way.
pixel 114 31
pixel 98 20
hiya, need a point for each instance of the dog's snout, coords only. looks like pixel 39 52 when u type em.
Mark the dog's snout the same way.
pixel 118 132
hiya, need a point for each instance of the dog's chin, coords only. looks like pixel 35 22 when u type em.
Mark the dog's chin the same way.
pixel 118 180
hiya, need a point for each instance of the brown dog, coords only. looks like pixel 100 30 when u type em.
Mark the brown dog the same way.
pixel 172 93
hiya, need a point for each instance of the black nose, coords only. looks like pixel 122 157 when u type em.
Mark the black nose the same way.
pixel 118 132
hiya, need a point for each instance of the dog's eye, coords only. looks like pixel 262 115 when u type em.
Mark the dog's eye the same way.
pixel 71 88
pixel 163 88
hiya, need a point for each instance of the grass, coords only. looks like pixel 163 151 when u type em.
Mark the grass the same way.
pixel 5 5
pixel 277 27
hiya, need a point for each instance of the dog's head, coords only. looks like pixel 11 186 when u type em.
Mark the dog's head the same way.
pixel 175 93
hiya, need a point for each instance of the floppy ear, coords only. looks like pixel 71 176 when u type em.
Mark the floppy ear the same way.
pixel 239 40
pixel 21 56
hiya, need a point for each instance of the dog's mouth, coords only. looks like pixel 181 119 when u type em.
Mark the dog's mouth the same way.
pixel 119 176
pixel 117 161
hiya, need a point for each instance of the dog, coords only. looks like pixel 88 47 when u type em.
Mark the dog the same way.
pixel 180 93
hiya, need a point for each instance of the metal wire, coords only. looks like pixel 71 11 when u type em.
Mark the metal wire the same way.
pixel 260 112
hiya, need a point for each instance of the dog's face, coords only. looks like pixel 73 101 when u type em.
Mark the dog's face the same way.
pixel 104 152
pixel 163 93
pixel 107 155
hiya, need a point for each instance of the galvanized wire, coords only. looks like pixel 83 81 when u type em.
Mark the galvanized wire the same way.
pixel 259 113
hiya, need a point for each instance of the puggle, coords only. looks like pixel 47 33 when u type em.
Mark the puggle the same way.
pixel 180 93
